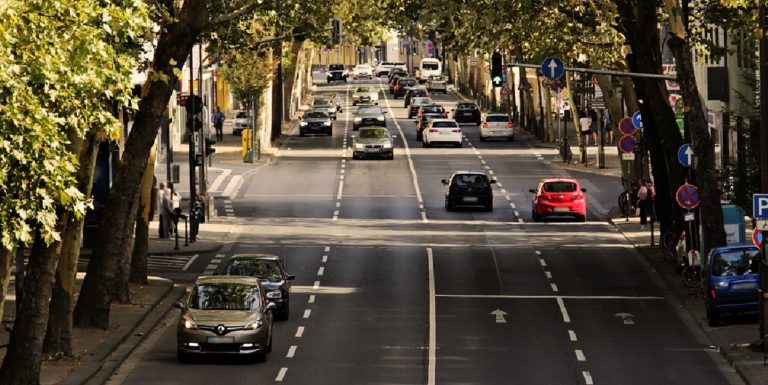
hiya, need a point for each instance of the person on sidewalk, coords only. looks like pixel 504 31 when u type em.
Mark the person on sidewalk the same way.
pixel 645 196
pixel 175 207
pixel 167 211
pixel 593 124
pixel 218 124
pixel 607 125
pixel 585 123
pixel 160 212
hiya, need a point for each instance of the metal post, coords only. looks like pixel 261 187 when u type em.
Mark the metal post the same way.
pixel 190 99
pixel 601 144
pixel 204 129
pixel 762 293
pixel 763 62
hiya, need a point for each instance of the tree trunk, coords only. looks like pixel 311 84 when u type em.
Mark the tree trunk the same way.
pixel 21 365
pixel 6 261
pixel 138 269
pixel 277 92
pixel 638 22
pixel 58 337
pixel 174 44
pixel 575 119
pixel 613 104
pixel 289 82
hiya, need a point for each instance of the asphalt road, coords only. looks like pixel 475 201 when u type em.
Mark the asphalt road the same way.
pixel 393 289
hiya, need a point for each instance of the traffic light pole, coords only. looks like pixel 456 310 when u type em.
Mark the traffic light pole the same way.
pixel 191 126
pixel 203 133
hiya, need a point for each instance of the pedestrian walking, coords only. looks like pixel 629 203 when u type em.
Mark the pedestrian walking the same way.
pixel 645 197
pixel 167 211
pixel 218 124
pixel 593 124
pixel 586 127
pixel 162 232
pixel 175 207
pixel 607 125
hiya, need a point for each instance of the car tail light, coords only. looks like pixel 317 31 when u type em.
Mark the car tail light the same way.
pixel 485 124
pixel 433 130
pixel 457 130
pixel 712 293
pixel 510 125
pixel 445 114
pixel 576 197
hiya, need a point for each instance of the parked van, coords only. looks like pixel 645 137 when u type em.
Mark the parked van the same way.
pixel 428 67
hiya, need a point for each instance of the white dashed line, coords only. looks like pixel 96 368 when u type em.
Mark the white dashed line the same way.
pixel 316 285
pixel 561 304
pixel 554 287
pixel 517 213
pixel 299 331
pixel 572 335
pixel 327 249
pixel 504 191
pixel 320 271
pixel 338 204
pixel 325 258
pixel 281 374
pixel 587 378
pixel 580 355
pixel 548 274
pixel 341 189
pixel 307 312
pixel 311 298
pixel 537 252
pixel 543 264
pixel 291 351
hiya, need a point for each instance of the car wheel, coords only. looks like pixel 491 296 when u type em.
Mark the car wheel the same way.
pixel 482 138
pixel 330 133
pixel 260 356
pixel 355 157
pixel 282 314
pixel 181 356
pixel 354 104
pixel 424 143
pixel 458 144
pixel 477 123
pixel 581 218
pixel 268 348
pixel 448 205
pixel 419 138
pixel 391 156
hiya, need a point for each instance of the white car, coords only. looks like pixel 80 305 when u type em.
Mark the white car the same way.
pixel 242 122
pixel 365 95
pixel 442 131
pixel 497 125
pixel 385 67
pixel 437 83
pixel 362 71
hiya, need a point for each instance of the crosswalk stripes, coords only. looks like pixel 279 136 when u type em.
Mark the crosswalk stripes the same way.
pixel 228 208
pixel 211 268
pixel 162 262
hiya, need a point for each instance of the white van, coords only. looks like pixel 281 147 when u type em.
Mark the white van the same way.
pixel 428 67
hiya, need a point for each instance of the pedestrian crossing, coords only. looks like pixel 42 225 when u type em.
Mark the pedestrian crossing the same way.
pixel 215 261
pixel 159 262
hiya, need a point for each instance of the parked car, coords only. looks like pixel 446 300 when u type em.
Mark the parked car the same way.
pixel 437 83
pixel 442 131
pixel 321 103
pixel 402 85
pixel 414 92
pixel 225 315
pixel 361 71
pixel 316 121
pixel 373 142
pixel 242 122
pixel 558 196
pixel 497 125
pixel 467 113
pixel 271 273
pixel 336 73
pixel 431 109
pixel 365 94
pixel 369 116
pixel 416 104
pixel 731 275
pixel 468 188
pixel 424 122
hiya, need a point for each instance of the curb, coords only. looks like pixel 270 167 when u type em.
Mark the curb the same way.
pixel 118 346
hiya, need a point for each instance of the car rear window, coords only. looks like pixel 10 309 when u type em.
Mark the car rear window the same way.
pixel 430 66
pixel 467 107
pixel 363 89
pixel 444 124
pixel 335 67
pixel 408 82
pixel 560 187
pixel 433 109
pixel 735 262
pixel 241 114
pixel 316 114
pixel 497 118
pixel 474 180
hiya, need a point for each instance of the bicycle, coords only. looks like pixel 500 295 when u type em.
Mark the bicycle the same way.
pixel 624 197
pixel 691 274
pixel 673 243
pixel 565 150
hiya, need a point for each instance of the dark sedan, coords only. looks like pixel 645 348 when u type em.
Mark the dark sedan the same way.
pixel 271 273
pixel 467 113
pixel 403 85
pixel 316 121
pixel 424 122
pixel 369 116
pixel 468 188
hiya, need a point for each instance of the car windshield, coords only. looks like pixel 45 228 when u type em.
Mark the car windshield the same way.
pixel 369 111
pixel 444 124
pixel 321 102
pixel 419 92
pixel 735 262
pixel 497 118
pixel 421 101
pixel 241 115
pixel 336 67
pixel 373 133
pixel 363 67
pixel 224 296
pixel 363 89
pixel 470 180
pixel 315 115
pixel 259 268
pixel 560 187
pixel 430 66
pixel 433 108
pixel 408 82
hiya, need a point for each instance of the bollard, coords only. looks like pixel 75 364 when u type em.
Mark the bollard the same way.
pixel 176 233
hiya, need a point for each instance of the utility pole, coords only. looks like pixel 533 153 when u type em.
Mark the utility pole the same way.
pixel 204 130
pixel 763 98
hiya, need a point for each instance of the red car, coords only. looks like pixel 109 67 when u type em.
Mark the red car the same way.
pixel 558 197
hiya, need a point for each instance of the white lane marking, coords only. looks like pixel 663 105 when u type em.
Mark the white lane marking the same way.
pixel 517 213
pixel 327 249
pixel 316 285
pixel 432 319
pixel 587 378
pixel 299 331
pixel 580 355
pixel 325 258
pixel 554 287
pixel 520 219
pixel 537 252
pixel 211 267
pixel 281 374
pixel 307 312
pixel 504 191
pixel 341 189
pixel 311 298
pixel 219 180
pixel 561 304
pixel 542 263
pixel 572 335
pixel 341 177
pixel 232 186
pixel 550 296
pixel 548 274
pixel 291 351
pixel 186 265
pixel 490 172
pixel 499 184
pixel 321 270
pixel 338 204
pixel 336 215
pixel 482 160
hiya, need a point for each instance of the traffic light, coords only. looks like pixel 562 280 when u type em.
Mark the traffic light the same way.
pixel 497 70
pixel 193 104
pixel 335 30
pixel 194 123
pixel 209 150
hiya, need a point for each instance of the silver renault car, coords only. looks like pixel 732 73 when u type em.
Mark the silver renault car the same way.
pixel 225 315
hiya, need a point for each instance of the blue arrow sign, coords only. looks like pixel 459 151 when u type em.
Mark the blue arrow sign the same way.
pixel 552 68
pixel 760 206
pixel 685 155
pixel 637 120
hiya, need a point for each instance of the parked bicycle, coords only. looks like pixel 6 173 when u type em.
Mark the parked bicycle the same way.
pixel 565 150
pixel 691 274
pixel 627 203
pixel 673 244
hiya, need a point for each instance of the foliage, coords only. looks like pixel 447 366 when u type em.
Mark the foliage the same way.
pixel 66 65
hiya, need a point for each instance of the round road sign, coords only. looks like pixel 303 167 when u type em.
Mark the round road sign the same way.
pixel 688 196
pixel 637 120
pixel 505 91
pixel 626 126
pixel 628 144
pixel 757 237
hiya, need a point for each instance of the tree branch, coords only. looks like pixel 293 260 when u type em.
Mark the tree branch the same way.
pixel 245 9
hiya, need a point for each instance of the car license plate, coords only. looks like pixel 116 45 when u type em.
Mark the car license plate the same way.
pixel 466 113
pixel 220 340
pixel 372 150
pixel 745 285
pixel 445 132
pixel 470 199
pixel 561 210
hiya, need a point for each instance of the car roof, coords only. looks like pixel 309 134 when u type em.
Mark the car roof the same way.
pixel 732 247
pixel 321 110
pixel 444 120
pixel 558 179
pixel 463 172
pixel 238 279
pixel 269 257
pixel 496 114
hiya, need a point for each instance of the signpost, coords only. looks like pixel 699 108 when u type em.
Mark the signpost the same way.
pixel 757 237
pixel 552 68
pixel 685 155
pixel 688 196
pixel 505 91
pixel 626 126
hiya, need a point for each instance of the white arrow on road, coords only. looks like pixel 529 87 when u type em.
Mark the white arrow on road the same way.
pixel 689 155
pixel 552 68
pixel 500 316
pixel 626 317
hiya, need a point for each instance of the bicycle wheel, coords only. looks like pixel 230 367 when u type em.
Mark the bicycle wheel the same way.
pixel 691 276
pixel 622 201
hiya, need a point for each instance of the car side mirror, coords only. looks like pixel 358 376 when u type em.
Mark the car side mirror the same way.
pixel 583 190
pixel 290 277
pixel 271 306
pixel 178 305
pixel 444 181
pixel 394 137
pixel 533 191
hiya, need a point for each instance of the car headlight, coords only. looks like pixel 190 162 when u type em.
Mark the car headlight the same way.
pixel 253 325
pixel 359 146
pixel 189 323
pixel 358 120
pixel 275 294
pixel 388 145
pixel 326 123
pixel 380 118
pixel 303 124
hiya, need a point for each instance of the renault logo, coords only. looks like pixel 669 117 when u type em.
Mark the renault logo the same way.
pixel 221 329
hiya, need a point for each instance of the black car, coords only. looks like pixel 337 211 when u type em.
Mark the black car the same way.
pixel 423 122
pixel 369 116
pixel 467 113
pixel 336 73
pixel 468 188
pixel 316 121
pixel 397 72
pixel 414 92
pixel 326 104
pixel 271 273
pixel 403 84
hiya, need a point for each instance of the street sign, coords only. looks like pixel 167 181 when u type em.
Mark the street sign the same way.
pixel 629 156
pixel 505 91
pixel 757 237
pixel 760 206
pixel 552 67
pixel 637 120
pixel 685 155
pixel 688 196
pixel 628 144
pixel 626 126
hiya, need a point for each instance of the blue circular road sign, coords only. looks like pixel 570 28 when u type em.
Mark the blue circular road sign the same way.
pixel 688 196
pixel 552 68
pixel 626 126
pixel 628 144
pixel 637 120
pixel 685 155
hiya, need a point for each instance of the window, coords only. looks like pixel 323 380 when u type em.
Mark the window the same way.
pixel 336 67
pixel 737 262
pixel 470 180
pixel 497 118
pixel 224 296
pixel 254 268
pixel 373 133
pixel 560 187
pixel 241 115
pixel 444 124
pixel 430 66
pixel 315 114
